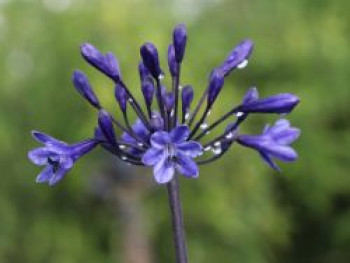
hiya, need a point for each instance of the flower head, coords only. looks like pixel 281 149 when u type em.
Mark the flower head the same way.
pixel 58 157
pixel 171 135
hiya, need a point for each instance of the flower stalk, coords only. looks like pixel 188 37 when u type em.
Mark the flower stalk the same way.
pixel 177 220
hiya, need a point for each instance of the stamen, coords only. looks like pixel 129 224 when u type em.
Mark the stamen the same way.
pixel 243 64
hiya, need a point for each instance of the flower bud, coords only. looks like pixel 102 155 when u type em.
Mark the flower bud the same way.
pixel 169 100
pixel 82 85
pixel 113 66
pixel 252 94
pixel 237 56
pixel 281 104
pixel 216 82
pixel 173 65
pixel 148 92
pixel 179 40
pixel 106 125
pixel 150 59
pixel 187 98
pixel 121 96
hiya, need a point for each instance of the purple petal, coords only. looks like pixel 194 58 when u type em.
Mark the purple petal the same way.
pixel 152 156
pixel 160 139
pixel 192 149
pixel 164 171
pixel 157 121
pixel 140 130
pixel 39 156
pixel 58 175
pixel 66 162
pixel 179 134
pixel 186 166
pixel 45 175
pixel 237 56
pixel 179 40
pixel 281 152
pixel 269 161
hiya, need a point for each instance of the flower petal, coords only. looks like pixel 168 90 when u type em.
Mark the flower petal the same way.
pixel 179 134
pixel 191 148
pixel 186 166
pixel 160 139
pixel 45 175
pixel 39 156
pixel 66 162
pixel 266 158
pixel 58 175
pixel 164 171
pixel 152 156
pixel 281 152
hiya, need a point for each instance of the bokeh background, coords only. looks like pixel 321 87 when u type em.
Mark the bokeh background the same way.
pixel 239 210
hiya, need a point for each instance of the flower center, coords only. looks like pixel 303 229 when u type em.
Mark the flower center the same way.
pixel 171 150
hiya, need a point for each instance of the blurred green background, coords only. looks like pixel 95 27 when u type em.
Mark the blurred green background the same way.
pixel 239 210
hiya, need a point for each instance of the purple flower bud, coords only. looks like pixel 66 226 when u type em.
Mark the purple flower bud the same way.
pixel 179 40
pixel 216 82
pixel 150 59
pixel 94 57
pixel 82 85
pixel 173 65
pixel 144 73
pixel 237 56
pixel 281 104
pixel 113 66
pixel 121 96
pixel 106 125
pixel 157 121
pixel 169 99
pixel 148 92
pixel 252 94
pixel 187 98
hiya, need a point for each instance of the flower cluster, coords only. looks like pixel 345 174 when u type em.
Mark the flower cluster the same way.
pixel 168 133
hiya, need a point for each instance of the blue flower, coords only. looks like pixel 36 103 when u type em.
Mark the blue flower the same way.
pixel 172 134
pixel 58 157
pixel 170 151
pixel 273 142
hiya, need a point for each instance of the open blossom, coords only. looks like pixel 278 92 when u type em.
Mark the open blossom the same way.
pixel 170 133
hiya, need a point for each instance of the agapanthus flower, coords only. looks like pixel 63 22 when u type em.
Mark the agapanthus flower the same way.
pixel 169 134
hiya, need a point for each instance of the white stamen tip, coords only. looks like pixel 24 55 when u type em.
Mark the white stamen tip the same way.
pixel 243 64
pixel 180 87
pixel 124 158
pixel 229 135
pixel 239 114
pixel 130 100
pixel 208 148
pixel 122 147
pixel 161 76
pixel 217 144
pixel 187 116
pixel 217 151
pixel 204 126
pixel 140 144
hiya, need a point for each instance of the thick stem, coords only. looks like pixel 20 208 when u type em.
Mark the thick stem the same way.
pixel 177 220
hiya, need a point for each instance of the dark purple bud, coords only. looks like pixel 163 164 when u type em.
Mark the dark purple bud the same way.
pixel 157 121
pixel 106 125
pixel 94 57
pixel 238 57
pixel 121 96
pixel 169 100
pixel 252 94
pixel 148 92
pixel 144 73
pixel 281 104
pixel 187 98
pixel 113 66
pixel 173 65
pixel 82 85
pixel 150 59
pixel 179 40
pixel 216 83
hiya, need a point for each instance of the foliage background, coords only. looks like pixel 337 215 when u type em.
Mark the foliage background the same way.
pixel 239 210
